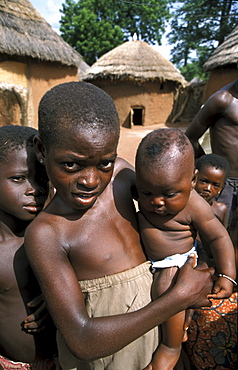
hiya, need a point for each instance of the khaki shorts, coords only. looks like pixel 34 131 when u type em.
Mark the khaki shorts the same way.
pixel 125 292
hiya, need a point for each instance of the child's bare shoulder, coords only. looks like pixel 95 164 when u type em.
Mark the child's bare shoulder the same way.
pixel 197 206
pixel 125 170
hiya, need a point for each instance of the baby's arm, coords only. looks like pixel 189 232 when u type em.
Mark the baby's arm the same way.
pixel 216 236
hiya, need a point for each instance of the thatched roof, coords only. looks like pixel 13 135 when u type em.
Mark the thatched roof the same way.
pixel 225 54
pixel 136 61
pixel 25 33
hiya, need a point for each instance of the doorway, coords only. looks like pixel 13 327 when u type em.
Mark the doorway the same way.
pixel 137 116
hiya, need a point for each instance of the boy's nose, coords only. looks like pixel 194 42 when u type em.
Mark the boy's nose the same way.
pixel 89 179
pixel 209 187
pixel 33 189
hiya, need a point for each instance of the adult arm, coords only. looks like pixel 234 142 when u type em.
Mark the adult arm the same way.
pixel 91 338
pixel 210 112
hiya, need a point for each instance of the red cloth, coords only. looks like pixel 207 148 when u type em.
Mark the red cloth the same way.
pixel 212 336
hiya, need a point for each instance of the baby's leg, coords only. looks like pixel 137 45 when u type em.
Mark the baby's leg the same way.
pixel 168 352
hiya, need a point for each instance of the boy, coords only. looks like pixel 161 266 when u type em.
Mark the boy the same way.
pixel 212 173
pixel 24 188
pixel 171 213
pixel 220 115
pixel 85 247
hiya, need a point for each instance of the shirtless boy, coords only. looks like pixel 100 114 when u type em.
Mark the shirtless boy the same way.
pixel 24 187
pixel 171 214
pixel 220 115
pixel 212 173
pixel 85 247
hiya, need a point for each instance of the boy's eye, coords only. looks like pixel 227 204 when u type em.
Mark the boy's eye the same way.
pixel 71 166
pixel 106 165
pixel 18 178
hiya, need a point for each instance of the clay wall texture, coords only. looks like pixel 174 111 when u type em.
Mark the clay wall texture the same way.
pixel 155 99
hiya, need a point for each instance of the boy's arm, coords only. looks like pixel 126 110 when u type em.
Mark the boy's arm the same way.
pixel 216 236
pixel 91 338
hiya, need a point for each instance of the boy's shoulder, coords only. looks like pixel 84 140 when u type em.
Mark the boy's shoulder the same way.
pixel 121 164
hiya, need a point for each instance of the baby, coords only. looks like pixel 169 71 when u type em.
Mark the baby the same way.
pixel 171 214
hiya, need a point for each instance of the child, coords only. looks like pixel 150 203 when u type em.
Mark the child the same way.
pixel 24 186
pixel 212 173
pixel 171 213
pixel 85 247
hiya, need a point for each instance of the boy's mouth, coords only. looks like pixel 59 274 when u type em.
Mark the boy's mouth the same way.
pixel 85 199
pixel 33 208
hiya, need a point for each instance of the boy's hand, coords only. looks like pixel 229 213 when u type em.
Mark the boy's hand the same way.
pixel 223 288
pixel 37 321
pixel 195 283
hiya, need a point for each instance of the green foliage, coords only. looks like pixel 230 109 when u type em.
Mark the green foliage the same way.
pixel 94 27
pixel 197 28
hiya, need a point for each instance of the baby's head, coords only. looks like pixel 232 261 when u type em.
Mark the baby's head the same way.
pixel 213 171
pixel 165 172
pixel 23 181
pixel 76 108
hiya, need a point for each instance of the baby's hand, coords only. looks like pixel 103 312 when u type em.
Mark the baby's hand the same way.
pixel 36 322
pixel 223 288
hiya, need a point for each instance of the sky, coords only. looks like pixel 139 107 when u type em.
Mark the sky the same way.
pixel 49 10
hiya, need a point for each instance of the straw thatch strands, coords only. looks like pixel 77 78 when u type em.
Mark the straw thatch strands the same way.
pixel 135 61
pixel 142 83
pixel 33 59
pixel 23 32
pixel 225 54
pixel 223 64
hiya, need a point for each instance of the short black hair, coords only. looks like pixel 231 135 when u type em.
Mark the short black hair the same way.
pixel 15 138
pixel 76 104
pixel 213 160
pixel 157 143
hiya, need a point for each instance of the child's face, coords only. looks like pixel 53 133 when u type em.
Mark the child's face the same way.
pixel 210 182
pixel 23 184
pixel 81 167
pixel 165 191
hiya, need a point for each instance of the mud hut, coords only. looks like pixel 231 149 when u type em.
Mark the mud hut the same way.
pixel 142 83
pixel 223 64
pixel 33 59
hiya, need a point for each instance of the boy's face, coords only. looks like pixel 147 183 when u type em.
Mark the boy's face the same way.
pixel 210 182
pixel 81 166
pixel 23 184
pixel 165 191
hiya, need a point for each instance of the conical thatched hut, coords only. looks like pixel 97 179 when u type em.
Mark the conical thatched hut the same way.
pixel 223 64
pixel 33 59
pixel 141 82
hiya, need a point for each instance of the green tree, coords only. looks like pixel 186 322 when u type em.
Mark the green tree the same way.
pixel 197 28
pixel 94 27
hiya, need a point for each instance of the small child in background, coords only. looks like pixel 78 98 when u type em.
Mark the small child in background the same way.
pixel 213 171
pixel 27 335
pixel 171 214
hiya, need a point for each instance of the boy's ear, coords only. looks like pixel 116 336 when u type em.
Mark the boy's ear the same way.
pixel 194 179
pixel 39 149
